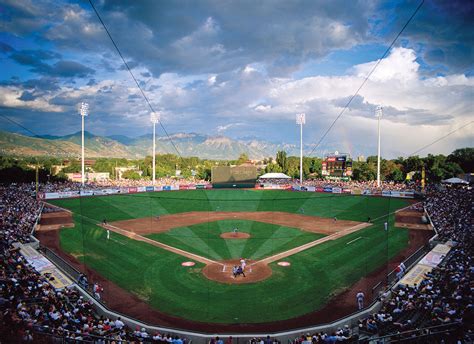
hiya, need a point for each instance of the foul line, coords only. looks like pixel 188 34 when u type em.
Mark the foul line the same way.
pixel 304 247
pixel 138 237
pixel 350 242
pixel 334 236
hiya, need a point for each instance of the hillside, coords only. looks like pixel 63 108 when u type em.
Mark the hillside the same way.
pixel 188 144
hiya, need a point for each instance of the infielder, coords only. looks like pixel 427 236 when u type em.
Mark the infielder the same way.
pixel 108 234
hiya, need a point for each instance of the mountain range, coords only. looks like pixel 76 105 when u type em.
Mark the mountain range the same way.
pixel 119 146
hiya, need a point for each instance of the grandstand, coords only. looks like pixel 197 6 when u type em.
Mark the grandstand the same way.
pixel 436 305
pixel 203 234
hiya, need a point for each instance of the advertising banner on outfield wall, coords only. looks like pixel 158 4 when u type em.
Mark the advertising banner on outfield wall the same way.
pixel 386 193
pixel 327 189
pixel 166 188
pixel 158 188
pixel 336 190
pixel 124 190
pixel 50 195
pixel 112 191
pixel 348 191
pixel 132 190
pixel 407 194
pixel 356 191
pixel 367 192
pixel 141 189
pixel 149 189
pixel 174 187
pixel 311 188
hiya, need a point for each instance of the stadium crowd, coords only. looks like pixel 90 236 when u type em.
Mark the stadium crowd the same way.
pixel 110 183
pixel 31 309
pixel 361 185
pixel 441 308
pixel 445 295
pixel 30 305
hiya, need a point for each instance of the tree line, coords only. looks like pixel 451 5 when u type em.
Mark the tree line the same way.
pixel 437 167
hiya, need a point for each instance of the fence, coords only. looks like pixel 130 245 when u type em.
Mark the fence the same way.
pixel 391 278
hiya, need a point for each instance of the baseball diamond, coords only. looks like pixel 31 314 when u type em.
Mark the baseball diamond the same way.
pixel 144 254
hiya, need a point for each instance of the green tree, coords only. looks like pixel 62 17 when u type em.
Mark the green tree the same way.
pixel 130 174
pixel 396 175
pixel 282 161
pixel 464 157
pixel 74 167
pixel 364 171
pixel 243 158
pixel 273 168
pixel 412 164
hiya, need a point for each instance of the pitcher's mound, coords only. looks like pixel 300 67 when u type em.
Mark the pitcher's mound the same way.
pixel 253 272
pixel 232 235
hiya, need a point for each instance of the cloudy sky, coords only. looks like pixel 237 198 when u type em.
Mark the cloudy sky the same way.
pixel 243 69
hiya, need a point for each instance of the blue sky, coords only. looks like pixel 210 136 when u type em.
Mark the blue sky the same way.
pixel 243 69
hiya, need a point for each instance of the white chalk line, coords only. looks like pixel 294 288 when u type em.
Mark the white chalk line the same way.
pixel 350 242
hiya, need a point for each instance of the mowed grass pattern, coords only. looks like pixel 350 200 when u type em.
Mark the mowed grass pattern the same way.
pixel 204 239
pixel 156 276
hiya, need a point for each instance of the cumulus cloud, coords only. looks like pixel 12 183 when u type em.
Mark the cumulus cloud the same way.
pixel 236 68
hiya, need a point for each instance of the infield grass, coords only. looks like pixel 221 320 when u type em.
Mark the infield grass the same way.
pixel 156 276
pixel 204 239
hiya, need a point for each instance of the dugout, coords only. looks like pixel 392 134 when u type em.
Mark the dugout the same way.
pixel 243 176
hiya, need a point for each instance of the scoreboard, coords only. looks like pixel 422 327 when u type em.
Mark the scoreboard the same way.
pixel 238 176
pixel 337 165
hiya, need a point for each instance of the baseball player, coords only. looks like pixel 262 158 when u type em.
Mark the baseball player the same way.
pixel 242 263
pixel 360 299
pixel 108 234
pixel 234 271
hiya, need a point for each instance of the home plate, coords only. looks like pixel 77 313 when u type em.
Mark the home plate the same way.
pixel 284 263
pixel 188 263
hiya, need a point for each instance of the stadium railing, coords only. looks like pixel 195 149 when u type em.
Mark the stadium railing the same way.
pixel 61 263
pixel 389 281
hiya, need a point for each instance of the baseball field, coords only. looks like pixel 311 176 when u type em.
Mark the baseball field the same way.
pixel 325 242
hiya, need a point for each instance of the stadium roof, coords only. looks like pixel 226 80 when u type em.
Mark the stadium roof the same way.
pixel 274 176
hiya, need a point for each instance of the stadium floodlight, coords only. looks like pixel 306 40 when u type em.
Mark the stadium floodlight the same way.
pixel 84 110
pixel 154 118
pixel 301 119
pixel 378 114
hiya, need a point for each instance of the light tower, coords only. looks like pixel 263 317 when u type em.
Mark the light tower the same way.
pixel 378 114
pixel 301 119
pixel 154 118
pixel 84 109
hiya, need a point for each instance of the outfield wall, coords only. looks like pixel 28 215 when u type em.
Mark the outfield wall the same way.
pixel 120 190
pixel 356 191
pixel 265 186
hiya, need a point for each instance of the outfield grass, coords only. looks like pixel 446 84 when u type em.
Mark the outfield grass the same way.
pixel 204 239
pixel 157 277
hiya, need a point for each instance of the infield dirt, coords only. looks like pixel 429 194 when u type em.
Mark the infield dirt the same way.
pixel 315 224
